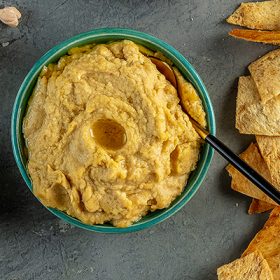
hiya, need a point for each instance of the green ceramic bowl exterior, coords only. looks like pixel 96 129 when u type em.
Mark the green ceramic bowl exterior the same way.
pixel 102 36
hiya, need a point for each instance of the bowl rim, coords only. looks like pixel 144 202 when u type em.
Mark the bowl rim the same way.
pixel 177 58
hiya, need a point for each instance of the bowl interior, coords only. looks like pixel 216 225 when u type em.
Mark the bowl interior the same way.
pixel 103 36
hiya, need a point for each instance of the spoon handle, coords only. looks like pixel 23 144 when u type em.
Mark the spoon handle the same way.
pixel 244 168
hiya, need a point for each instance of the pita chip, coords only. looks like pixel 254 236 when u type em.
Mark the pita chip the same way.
pixel 270 151
pixel 266 74
pixel 267 242
pixel 241 184
pixel 252 116
pixel 257 15
pixel 258 36
pixel 253 267
pixel 257 206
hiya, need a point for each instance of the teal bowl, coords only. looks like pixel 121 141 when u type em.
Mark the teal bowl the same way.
pixel 102 36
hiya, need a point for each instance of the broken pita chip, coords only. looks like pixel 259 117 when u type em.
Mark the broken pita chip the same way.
pixel 266 74
pixel 267 242
pixel 257 206
pixel 241 184
pixel 266 37
pixel 253 267
pixel 270 151
pixel 252 116
pixel 273 217
pixel 257 15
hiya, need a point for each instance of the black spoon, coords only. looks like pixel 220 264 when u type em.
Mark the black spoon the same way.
pixel 220 147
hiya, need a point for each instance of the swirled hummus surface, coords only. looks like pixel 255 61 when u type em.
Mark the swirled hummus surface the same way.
pixel 107 139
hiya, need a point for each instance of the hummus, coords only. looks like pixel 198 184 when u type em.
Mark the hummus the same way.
pixel 107 139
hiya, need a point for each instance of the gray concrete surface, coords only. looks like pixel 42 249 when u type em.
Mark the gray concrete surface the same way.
pixel 210 230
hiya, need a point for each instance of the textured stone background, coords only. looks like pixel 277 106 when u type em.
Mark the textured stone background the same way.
pixel 210 230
